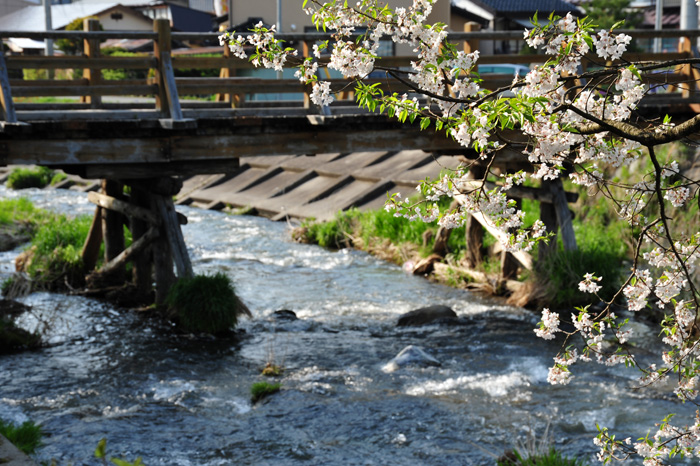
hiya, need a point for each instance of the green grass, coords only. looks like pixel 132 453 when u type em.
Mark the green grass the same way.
pixel 551 458
pixel 26 436
pixel 260 390
pixel 204 303
pixel 35 177
pixel 57 246
pixel 21 211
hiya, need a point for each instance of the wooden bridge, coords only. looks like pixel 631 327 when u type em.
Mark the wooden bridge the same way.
pixel 267 150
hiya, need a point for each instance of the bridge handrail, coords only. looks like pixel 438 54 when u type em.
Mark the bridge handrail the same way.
pixel 229 87
pixel 315 36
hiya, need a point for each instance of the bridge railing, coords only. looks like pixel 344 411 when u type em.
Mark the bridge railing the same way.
pixel 231 86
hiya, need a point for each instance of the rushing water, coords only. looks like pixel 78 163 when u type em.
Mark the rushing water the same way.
pixel 175 400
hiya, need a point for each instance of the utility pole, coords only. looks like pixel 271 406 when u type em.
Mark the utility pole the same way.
pixel 47 16
pixel 689 16
pixel 658 24
pixel 230 14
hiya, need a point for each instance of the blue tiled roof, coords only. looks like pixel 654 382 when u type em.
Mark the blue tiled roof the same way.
pixel 521 6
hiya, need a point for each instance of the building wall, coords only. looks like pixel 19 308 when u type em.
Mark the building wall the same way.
pixel 129 21
pixel 295 20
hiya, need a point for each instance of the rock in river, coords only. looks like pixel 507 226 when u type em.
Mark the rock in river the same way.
pixel 411 355
pixel 426 315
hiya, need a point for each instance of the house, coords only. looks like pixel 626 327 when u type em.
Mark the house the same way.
pixel 491 14
pixel 10 6
pixel 113 16
pixel 507 15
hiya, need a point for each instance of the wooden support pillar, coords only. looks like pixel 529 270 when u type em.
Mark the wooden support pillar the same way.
pixel 113 229
pixel 549 217
pixel 143 268
pixel 166 209
pixel 162 267
pixel 474 231
pixel 509 264
pixel 91 49
pixel 91 249
pixel 561 207
pixel 442 236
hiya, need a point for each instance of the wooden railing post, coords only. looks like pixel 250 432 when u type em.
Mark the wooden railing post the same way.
pixel 227 72
pixel 305 54
pixel 471 45
pixel 6 103
pixel 91 49
pixel 167 100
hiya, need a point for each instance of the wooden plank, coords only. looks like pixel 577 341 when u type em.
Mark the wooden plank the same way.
pixel 184 148
pixel 136 247
pixel 78 35
pixel 48 82
pixel 68 62
pixel 91 249
pixel 100 90
pixel 130 210
pixel 146 170
pixel 173 233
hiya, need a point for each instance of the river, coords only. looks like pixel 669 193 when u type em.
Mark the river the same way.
pixel 178 400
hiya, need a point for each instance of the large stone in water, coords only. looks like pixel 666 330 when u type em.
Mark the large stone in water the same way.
pixel 426 315
pixel 411 356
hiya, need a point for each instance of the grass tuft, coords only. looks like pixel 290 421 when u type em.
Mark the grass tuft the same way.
pixel 260 390
pixel 35 177
pixel 550 458
pixel 205 303
pixel 56 247
pixel 26 436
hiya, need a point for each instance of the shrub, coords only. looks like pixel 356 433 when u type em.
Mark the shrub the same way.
pixel 21 178
pixel 260 390
pixel 205 303
pixel 551 458
pixel 26 436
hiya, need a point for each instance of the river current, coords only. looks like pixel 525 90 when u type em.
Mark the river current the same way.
pixel 178 400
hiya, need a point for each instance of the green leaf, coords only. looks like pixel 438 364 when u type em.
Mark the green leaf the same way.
pixel 101 447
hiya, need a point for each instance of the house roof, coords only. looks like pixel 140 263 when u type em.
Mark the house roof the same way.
pixel 528 7
pixel 190 20
pixel 31 18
